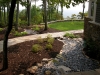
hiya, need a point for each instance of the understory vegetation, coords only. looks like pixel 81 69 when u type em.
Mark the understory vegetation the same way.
pixel 48 41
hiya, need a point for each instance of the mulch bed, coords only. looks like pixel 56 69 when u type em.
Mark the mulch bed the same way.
pixel 21 57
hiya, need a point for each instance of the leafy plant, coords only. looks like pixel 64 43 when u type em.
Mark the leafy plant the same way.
pixel 1 29
pixel 13 31
pixel 40 40
pixel 36 28
pixel 49 46
pixel 50 39
pixel 19 33
pixel 70 35
pixel 36 48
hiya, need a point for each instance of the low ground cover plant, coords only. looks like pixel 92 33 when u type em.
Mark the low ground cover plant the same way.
pixel 48 46
pixel 69 35
pixel 19 33
pixel 36 48
pixel 48 41
pixel 40 40
pixel 1 29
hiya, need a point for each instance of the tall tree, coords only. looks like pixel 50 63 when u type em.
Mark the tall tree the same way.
pixel 17 16
pixel 5 43
pixel 29 12
pixel 45 14
pixel 83 9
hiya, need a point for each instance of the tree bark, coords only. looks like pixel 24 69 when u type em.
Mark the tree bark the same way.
pixel 17 17
pixel 61 11
pixel 29 12
pixel 4 15
pixel 45 14
pixel 0 13
pixel 8 7
pixel 5 42
pixel 83 9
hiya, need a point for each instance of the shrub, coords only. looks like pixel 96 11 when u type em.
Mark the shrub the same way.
pixel 20 33
pixel 1 29
pixel 13 30
pixel 36 28
pixel 23 23
pixel 70 35
pixel 48 46
pixel 49 39
pixel 40 40
pixel 36 48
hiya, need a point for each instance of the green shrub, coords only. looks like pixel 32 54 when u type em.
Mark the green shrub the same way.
pixel 40 40
pixel 50 40
pixel 20 33
pixel 49 36
pixel 1 29
pixel 48 47
pixel 2 24
pixel 23 23
pixel 13 30
pixel 70 35
pixel 36 48
pixel 36 28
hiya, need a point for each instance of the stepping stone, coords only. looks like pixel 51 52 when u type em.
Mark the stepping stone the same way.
pixel 98 70
pixel 64 68
pixel 90 73
pixel 74 73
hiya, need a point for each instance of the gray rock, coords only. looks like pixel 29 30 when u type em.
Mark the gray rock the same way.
pixel 64 68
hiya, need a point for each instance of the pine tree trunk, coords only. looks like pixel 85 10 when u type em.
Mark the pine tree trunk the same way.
pixel 4 15
pixel 29 12
pixel 17 17
pixel 5 42
pixel 61 11
pixel 0 13
pixel 83 9
pixel 45 14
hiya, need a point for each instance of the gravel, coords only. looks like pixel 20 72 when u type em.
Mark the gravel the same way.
pixel 72 57
pixel 76 60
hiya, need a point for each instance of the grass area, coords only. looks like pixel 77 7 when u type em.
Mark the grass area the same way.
pixel 69 25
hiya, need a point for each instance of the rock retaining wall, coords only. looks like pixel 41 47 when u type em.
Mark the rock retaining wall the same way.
pixel 92 34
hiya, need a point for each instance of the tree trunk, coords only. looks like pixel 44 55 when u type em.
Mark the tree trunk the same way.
pixel 8 11
pixel 61 11
pixel 29 12
pixel 49 10
pixel 5 42
pixel 0 13
pixel 17 17
pixel 4 15
pixel 45 14
pixel 83 9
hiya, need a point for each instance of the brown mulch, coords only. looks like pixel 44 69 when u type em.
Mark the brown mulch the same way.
pixel 21 57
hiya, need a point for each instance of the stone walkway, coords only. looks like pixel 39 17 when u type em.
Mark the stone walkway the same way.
pixel 14 41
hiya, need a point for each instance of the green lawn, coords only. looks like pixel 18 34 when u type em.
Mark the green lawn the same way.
pixel 69 25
